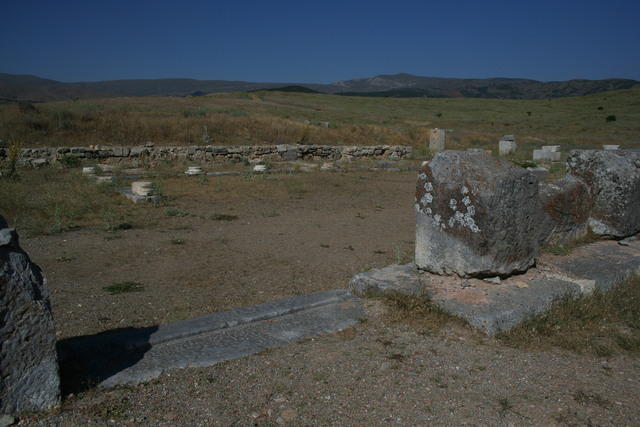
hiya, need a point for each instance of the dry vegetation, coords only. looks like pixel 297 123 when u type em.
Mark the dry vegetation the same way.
pixel 601 324
pixel 279 118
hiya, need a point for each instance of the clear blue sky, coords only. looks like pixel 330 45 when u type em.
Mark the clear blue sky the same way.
pixel 319 41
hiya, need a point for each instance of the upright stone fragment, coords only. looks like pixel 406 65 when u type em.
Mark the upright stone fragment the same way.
pixel 29 379
pixel 613 177
pixel 546 155
pixel 476 216
pixel 507 146
pixel 566 203
pixel 437 139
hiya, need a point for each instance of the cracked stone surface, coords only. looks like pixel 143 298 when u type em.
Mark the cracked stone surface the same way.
pixel 29 379
pixel 477 216
pixel 613 177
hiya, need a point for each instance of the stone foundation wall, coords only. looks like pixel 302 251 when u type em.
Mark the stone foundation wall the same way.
pixel 46 155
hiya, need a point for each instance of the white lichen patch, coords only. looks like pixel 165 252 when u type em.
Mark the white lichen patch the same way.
pixel 457 219
pixel 422 176
pixel 464 220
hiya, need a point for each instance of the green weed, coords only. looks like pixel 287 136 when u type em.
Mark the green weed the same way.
pixel 124 287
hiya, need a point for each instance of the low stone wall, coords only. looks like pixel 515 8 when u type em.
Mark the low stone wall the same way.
pixel 206 153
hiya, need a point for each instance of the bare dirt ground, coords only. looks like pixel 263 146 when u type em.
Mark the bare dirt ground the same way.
pixel 293 235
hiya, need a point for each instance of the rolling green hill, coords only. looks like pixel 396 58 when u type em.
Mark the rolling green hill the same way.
pixel 272 117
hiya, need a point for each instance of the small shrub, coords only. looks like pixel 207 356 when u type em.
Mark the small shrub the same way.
pixel 13 155
pixel 113 221
pixel 560 250
pixel 27 107
pixel 600 108
pixel 194 113
pixel 69 161
pixel 124 287
pixel 177 241
pixel 223 217
pixel 611 118
pixel 176 212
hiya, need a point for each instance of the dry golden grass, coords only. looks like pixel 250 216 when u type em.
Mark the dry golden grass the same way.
pixel 418 312
pixel 601 324
pixel 278 118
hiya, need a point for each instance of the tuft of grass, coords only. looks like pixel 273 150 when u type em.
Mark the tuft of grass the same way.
pixel 601 324
pixel 590 399
pixel 114 221
pixel 559 250
pixel 417 311
pixel 176 212
pixel 177 241
pixel 564 249
pixel 505 404
pixel 223 217
pixel 124 287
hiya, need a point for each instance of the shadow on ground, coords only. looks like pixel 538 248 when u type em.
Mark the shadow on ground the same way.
pixel 86 361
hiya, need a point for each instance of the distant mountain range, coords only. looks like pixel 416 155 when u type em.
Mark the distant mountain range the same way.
pixel 15 87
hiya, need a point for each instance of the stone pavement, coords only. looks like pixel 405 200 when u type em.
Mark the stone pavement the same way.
pixel 495 308
pixel 132 356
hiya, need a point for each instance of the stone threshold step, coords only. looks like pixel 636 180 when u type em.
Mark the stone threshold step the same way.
pixel 496 308
pixel 135 355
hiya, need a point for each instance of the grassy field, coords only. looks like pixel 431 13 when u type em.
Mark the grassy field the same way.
pixel 279 118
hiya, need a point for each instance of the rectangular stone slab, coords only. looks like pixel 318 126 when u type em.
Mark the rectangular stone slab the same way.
pixel 495 308
pixel 135 355
pixel 608 263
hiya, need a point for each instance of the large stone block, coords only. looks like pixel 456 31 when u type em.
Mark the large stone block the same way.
pixel 29 378
pixel 507 147
pixel 566 203
pixel 546 155
pixel 437 139
pixel 614 179
pixel 476 216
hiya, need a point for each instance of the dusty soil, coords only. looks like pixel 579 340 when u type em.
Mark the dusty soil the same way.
pixel 293 235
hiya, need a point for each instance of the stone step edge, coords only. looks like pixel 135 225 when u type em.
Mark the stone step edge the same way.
pixel 130 340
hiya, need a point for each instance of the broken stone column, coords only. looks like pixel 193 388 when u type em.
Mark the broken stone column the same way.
pixel 142 188
pixel 477 216
pixel 29 378
pixel 507 145
pixel 566 203
pixel 437 139
pixel 613 177
pixel 546 155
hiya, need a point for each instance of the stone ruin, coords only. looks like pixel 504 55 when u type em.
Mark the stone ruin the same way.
pixel 476 216
pixel 549 153
pixel 437 139
pixel 507 145
pixel 29 378
pixel 481 222
pixel 43 156
pixel 480 216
